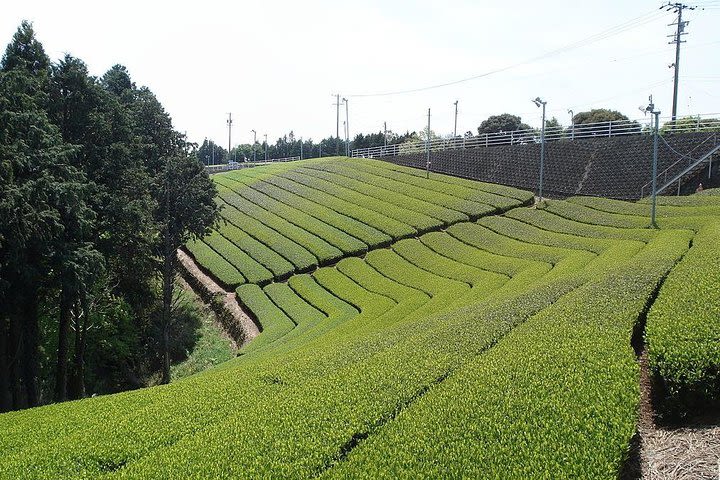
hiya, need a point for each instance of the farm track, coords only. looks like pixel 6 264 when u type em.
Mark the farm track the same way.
pixel 206 287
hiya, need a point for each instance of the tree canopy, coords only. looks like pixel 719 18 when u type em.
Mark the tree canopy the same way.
pixel 85 167
pixel 598 115
pixel 504 122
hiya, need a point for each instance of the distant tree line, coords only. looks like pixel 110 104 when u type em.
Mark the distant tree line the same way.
pixel 97 191
pixel 290 146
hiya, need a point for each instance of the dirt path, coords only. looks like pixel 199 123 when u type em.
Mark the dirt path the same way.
pixel 236 322
pixel 208 312
pixel 681 453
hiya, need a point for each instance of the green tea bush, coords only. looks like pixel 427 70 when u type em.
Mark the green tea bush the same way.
pixel 683 330
pixel 213 262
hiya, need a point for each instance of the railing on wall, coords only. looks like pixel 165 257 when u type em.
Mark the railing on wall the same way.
pixel 699 123
pixel 224 167
pixel 686 164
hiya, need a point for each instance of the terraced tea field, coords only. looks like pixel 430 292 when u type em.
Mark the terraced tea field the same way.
pixel 412 328
pixel 291 218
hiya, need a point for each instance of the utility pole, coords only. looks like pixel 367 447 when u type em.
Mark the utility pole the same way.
pixel 337 123
pixel 455 129
pixel 541 103
pixel 347 128
pixel 385 130
pixel 266 147
pixel 678 8
pixel 254 144
pixel 229 124
pixel 301 148
pixel 427 149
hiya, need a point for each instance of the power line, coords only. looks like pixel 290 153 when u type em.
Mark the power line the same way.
pixel 616 30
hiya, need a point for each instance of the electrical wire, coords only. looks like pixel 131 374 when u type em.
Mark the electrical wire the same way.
pixel 681 155
pixel 610 32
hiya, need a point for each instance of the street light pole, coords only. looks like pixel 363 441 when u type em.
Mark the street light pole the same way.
pixel 455 129
pixel 229 124
pixel 653 223
pixel 266 145
pixel 541 103
pixel 656 133
pixel 572 124
pixel 427 149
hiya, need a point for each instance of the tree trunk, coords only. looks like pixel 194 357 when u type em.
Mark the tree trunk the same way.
pixel 77 389
pixel 5 395
pixel 15 354
pixel 166 318
pixel 63 340
pixel 31 345
pixel 168 287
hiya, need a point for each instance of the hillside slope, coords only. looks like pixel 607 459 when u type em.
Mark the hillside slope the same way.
pixel 476 345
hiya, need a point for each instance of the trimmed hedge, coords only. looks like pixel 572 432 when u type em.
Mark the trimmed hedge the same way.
pixel 213 262
pixel 420 221
pixel 557 397
pixel 378 220
pixel 683 330
pixel 468 192
pixel 274 323
pixel 401 200
pixel 449 202
pixel 297 255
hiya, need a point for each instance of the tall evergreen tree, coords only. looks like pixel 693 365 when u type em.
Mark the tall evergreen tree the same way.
pixel 36 166
pixel 186 210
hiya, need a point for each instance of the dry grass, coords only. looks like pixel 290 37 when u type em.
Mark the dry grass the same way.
pixel 686 452
pixel 682 453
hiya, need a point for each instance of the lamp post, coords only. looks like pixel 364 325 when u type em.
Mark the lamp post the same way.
pixel 541 103
pixel 455 128
pixel 266 145
pixel 572 124
pixel 656 131
pixel 427 148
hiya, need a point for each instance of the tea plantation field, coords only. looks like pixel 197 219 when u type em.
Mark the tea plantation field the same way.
pixel 413 328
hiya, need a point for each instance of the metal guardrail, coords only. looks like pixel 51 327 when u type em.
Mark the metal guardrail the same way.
pixel 699 123
pixel 225 167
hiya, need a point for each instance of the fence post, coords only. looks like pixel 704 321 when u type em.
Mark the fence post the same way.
pixel 610 129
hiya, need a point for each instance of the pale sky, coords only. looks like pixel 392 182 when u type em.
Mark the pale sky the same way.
pixel 276 64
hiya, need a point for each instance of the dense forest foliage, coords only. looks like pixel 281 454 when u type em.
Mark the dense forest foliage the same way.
pixel 97 191
pixel 289 145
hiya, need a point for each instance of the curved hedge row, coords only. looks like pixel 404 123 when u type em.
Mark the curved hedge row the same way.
pixel 491 349
pixel 292 218
pixel 683 330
